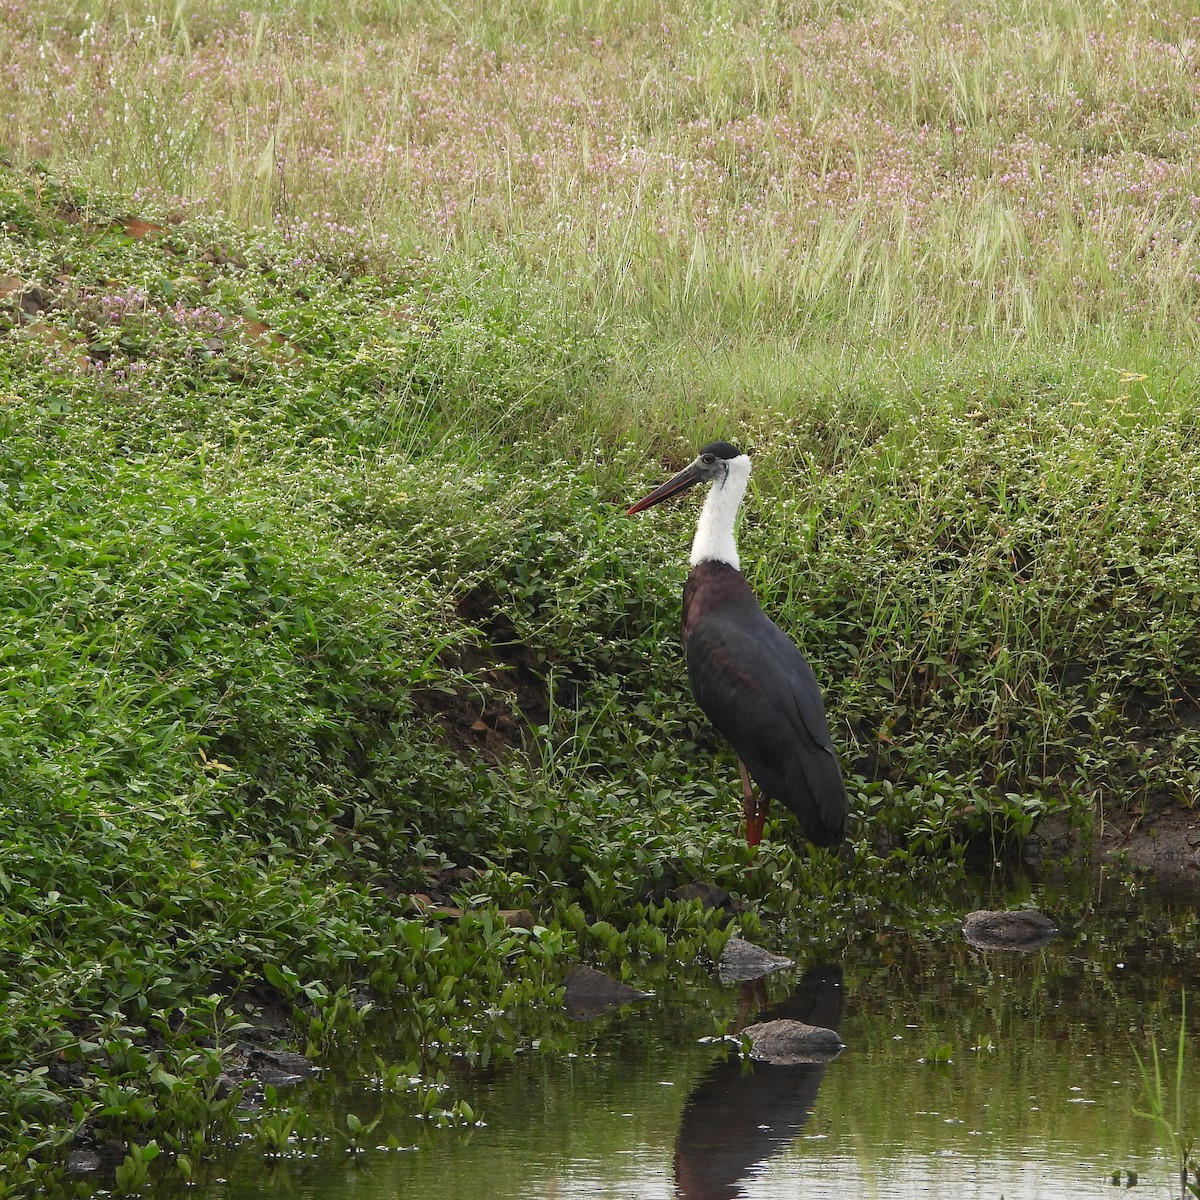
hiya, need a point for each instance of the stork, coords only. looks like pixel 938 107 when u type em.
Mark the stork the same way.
pixel 747 675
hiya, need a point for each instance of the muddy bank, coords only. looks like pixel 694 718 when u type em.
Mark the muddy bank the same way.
pixel 1162 840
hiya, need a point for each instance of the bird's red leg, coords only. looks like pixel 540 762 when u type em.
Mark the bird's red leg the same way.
pixel 754 808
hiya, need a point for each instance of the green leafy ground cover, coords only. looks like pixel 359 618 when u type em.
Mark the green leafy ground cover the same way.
pixel 317 586
pixel 252 588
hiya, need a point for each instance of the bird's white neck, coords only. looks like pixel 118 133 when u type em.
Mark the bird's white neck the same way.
pixel 714 540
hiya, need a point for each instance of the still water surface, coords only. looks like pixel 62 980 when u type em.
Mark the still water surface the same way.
pixel 1038 1099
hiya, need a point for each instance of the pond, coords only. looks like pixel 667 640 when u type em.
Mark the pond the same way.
pixel 966 1073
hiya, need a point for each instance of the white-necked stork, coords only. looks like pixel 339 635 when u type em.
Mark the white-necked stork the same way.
pixel 747 675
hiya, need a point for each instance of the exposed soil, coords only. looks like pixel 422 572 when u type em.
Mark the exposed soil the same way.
pixel 1162 841
pixel 503 692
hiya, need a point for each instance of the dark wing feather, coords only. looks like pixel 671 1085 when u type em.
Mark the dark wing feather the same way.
pixel 759 691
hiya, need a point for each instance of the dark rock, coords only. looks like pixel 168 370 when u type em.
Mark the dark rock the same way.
pixel 66 1074
pixel 266 1014
pixel 1021 929
pixel 742 960
pixel 288 1060
pixel 711 895
pixel 79 1162
pixel 786 1043
pixel 591 992
pixel 279 1068
pixel 518 918
pixel 110 1153
pixel 35 300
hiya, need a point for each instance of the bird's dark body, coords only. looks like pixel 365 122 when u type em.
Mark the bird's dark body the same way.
pixel 760 693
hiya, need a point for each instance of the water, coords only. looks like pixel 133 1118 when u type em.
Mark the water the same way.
pixel 1037 1100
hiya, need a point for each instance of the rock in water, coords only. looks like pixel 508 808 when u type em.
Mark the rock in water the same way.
pixel 786 1043
pixel 742 960
pixel 279 1068
pixel 591 992
pixel 1021 929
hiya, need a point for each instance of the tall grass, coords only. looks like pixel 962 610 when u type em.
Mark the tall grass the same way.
pixel 809 175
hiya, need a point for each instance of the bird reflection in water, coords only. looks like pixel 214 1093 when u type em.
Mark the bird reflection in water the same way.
pixel 738 1115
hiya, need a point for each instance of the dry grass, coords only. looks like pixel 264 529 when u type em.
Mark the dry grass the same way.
pixel 863 174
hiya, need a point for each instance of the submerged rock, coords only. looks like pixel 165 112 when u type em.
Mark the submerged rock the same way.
pixel 786 1043
pixel 103 1156
pixel 591 992
pixel 742 960
pixel 79 1162
pixel 279 1068
pixel 1022 929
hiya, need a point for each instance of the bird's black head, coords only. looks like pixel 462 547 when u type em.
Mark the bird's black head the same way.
pixel 720 450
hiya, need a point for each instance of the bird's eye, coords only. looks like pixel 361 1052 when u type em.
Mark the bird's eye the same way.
pixel 708 459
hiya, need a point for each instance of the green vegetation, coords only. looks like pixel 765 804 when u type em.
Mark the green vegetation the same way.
pixel 333 342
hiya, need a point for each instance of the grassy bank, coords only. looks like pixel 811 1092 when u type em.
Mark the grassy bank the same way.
pixel 317 586
pixel 295 625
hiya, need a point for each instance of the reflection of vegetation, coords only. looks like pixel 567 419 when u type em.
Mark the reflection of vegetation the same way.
pixel 1176 1141
pixel 277 1125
